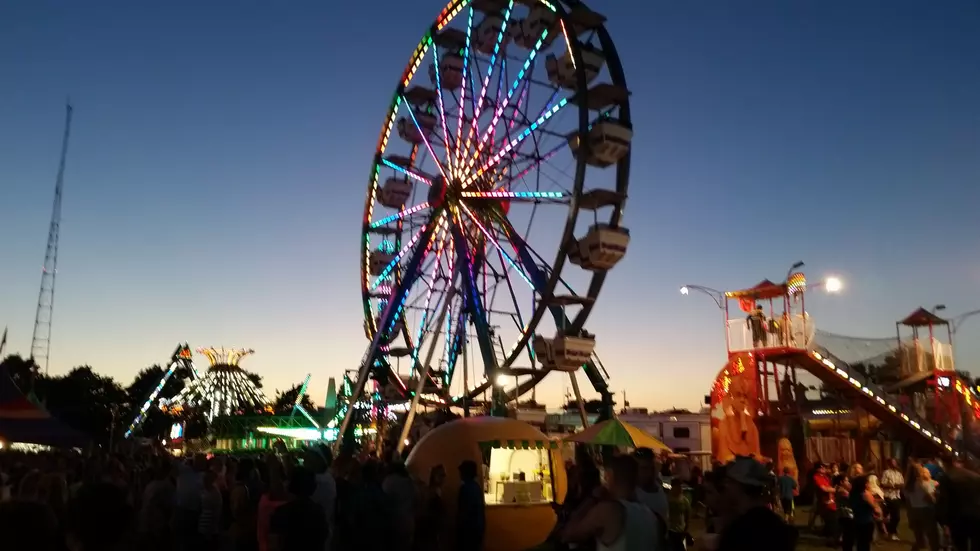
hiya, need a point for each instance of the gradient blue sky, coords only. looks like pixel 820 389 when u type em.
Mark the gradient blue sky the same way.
pixel 221 150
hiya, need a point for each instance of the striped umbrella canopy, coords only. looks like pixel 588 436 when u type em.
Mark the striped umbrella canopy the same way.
pixel 614 432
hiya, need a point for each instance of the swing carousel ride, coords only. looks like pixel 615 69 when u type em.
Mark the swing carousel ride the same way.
pixel 494 207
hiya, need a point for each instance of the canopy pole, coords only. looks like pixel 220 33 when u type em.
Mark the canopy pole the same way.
pixel 578 400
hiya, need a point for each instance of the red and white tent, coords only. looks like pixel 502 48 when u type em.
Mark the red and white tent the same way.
pixel 21 420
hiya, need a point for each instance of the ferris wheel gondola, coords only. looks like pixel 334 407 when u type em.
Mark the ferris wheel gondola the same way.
pixel 495 199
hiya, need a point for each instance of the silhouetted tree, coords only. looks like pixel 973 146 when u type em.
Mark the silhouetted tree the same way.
pixel 22 371
pixel 283 404
pixel 86 401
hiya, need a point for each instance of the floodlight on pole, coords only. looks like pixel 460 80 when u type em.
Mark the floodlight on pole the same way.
pixel 833 284
pixel 715 294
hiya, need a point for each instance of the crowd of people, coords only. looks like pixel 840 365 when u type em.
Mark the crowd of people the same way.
pixel 307 501
pixel 300 501
pixel 855 507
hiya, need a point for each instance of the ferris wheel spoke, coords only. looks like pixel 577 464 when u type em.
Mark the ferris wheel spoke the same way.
pixel 510 94
pixel 387 271
pixel 475 121
pixel 407 172
pixel 510 145
pixel 462 93
pixel 442 109
pixel 496 244
pixel 420 331
pixel 425 139
pixel 517 196
pixel 399 215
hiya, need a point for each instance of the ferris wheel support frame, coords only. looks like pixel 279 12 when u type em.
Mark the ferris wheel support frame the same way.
pixel 387 322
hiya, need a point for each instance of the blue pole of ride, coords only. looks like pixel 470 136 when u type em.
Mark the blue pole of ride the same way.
pixel 388 317
pixel 478 315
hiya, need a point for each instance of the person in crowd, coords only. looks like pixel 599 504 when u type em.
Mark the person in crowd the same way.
pixel 99 519
pixel 935 467
pixel 299 524
pixel 620 521
pixel 242 508
pixel 209 519
pixel 749 523
pixel 714 486
pixel 864 511
pixel 470 509
pixel 892 482
pixel 787 490
pixel 156 508
pixel 325 494
pixel 845 514
pixel 401 494
pixel 28 526
pixel 679 518
pixel 274 497
pixel 921 493
pixel 958 506
pixel 187 501
pixel 756 320
pixel 585 492
pixel 826 504
pixel 430 531
pixel 650 488
pixel 874 486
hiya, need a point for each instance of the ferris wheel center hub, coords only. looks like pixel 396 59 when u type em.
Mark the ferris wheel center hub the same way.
pixel 440 192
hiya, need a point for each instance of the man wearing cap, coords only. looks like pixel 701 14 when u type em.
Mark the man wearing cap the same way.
pixel 751 523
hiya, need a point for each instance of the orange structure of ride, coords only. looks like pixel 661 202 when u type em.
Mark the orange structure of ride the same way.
pixel 753 402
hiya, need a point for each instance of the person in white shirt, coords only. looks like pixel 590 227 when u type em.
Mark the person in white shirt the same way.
pixel 892 481
pixel 619 522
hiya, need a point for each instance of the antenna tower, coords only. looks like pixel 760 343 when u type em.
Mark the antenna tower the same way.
pixel 41 343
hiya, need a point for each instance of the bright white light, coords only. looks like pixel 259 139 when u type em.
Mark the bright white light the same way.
pixel 501 380
pixel 685 290
pixel 406 441
pixel 833 284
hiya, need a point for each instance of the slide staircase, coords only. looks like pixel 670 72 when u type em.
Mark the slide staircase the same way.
pixel 836 373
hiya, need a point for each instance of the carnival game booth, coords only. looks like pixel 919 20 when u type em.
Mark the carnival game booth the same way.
pixel 521 469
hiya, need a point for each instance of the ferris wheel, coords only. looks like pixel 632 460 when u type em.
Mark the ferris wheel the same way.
pixel 494 203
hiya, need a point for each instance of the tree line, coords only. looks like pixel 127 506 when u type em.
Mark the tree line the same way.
pixel 102 408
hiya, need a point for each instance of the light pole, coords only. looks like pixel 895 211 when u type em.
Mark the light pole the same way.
pixel 720 301
pixel 715 294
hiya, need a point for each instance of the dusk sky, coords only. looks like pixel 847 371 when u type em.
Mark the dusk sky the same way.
pixel 221 151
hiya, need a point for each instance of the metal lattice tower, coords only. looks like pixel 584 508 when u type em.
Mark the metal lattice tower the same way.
pixel 41 342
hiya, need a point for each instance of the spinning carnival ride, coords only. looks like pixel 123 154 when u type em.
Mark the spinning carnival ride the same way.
pixel 181 358
pixel 507 139
pixel 224 389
